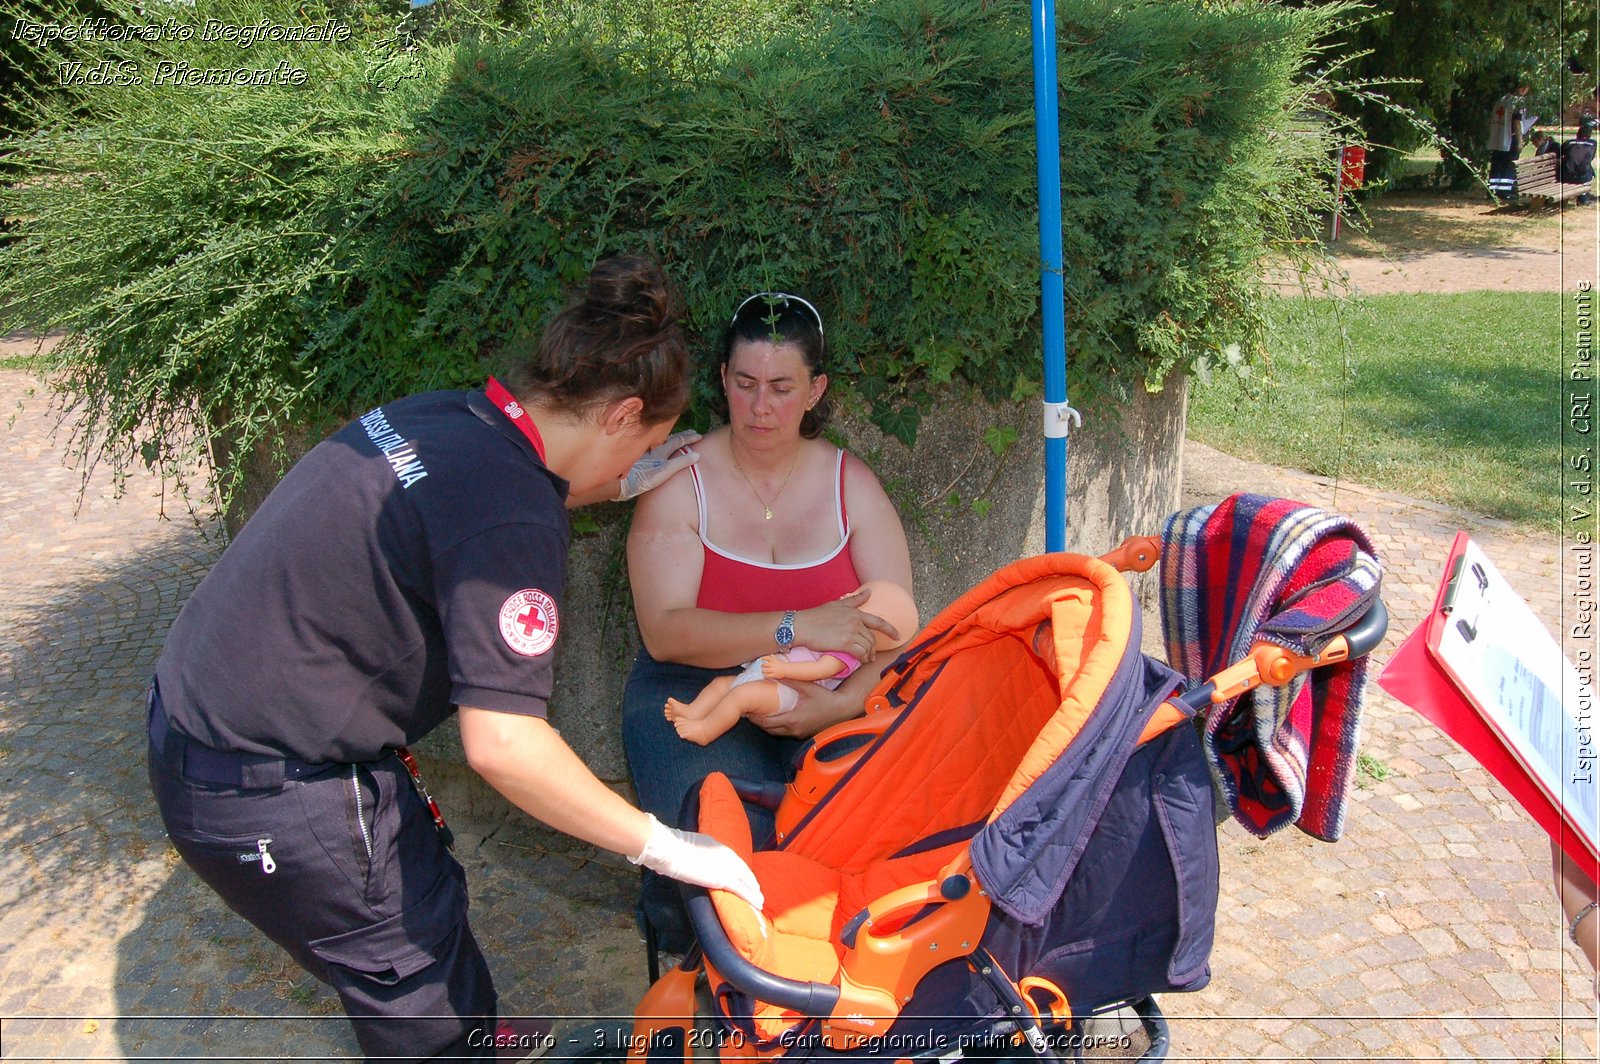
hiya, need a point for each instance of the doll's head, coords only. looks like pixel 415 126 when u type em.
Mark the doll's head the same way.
pixel 894 604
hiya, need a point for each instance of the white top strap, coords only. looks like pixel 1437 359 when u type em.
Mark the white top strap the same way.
pixel 838 516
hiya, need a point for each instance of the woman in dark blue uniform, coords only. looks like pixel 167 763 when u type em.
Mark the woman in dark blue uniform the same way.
pixel 410 565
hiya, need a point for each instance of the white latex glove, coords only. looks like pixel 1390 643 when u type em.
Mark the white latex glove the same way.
pixel 659 463
pixel 698 859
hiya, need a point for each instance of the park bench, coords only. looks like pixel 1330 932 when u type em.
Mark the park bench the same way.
pixel 1539 178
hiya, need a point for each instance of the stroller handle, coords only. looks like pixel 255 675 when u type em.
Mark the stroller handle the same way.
pixel 805 997
pixel 1270 664
pixel 1365 635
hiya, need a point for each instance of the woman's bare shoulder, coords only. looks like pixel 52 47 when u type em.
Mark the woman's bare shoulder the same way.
pixel 861 480
pixel 878 542
pixel 714 445
pixel 669 507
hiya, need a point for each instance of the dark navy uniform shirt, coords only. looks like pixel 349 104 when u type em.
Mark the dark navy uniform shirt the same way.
pixel 412 562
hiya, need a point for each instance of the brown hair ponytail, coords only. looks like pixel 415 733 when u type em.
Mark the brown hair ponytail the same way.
pixel 620 337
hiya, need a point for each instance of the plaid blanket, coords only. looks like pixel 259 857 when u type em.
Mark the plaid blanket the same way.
pixel 1255 568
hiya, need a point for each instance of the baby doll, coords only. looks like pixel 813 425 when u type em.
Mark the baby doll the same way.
pixel 757 691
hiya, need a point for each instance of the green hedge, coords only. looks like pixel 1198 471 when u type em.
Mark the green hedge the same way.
pixel 235 257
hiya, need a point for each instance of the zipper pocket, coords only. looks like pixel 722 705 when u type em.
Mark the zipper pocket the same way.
pixel 361 814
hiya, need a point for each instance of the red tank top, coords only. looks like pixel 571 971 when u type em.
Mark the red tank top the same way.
pixel 731 584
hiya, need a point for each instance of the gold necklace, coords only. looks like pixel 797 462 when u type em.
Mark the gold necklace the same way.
pixel 765 505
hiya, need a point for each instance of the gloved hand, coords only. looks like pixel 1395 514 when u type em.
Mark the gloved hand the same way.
pixel 698 859
pixel 659 463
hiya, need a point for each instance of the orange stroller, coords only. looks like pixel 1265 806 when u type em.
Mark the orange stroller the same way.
pixel 1018 834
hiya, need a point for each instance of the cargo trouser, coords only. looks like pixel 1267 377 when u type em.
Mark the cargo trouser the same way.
pixel 342 866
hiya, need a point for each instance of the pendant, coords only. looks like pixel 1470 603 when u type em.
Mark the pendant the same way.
pixel 769 512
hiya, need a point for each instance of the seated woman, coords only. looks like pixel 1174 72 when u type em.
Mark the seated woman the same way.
pixel 758 691
pixel 1577 159
pixel 766 542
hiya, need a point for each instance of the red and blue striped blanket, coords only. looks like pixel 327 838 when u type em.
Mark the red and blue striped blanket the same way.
pixel 1256 568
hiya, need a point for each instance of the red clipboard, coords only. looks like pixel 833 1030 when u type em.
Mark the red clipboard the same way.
pixel 1416 676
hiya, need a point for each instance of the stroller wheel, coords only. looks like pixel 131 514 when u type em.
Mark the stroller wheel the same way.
pixel 1154 1023
pixel 1134 1031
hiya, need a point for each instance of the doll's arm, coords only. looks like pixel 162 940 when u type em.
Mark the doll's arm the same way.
pixel 781 667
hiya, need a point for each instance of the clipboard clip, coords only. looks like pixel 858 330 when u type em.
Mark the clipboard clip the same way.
pixel 1468 629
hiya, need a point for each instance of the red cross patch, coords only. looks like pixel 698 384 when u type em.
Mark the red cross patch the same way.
pixel 528 622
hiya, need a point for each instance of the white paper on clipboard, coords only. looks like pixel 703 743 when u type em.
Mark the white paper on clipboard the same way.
pixel 1507 662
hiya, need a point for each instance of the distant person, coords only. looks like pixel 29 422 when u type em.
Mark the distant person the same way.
pixel 1543 143
pixel 1577 159
pixel 1505 143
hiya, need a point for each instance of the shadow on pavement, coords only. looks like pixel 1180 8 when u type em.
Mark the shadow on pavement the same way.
pixel 110 948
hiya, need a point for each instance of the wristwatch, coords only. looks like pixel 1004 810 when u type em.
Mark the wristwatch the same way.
pixel 785 633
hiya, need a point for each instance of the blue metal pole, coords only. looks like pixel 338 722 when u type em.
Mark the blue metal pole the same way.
pixel 1051 282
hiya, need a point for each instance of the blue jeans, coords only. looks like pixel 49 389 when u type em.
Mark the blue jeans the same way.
pixel 664 769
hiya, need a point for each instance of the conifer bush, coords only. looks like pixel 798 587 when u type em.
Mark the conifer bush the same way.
pixel 228 259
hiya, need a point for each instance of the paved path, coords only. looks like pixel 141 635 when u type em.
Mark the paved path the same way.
pixel 1428 933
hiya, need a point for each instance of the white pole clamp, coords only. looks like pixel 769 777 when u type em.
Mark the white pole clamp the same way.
pixel 1056 417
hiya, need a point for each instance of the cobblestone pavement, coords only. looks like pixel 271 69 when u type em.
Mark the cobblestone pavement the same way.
pixel 1429 932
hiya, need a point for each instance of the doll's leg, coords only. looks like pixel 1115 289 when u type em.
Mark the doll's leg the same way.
pixel 709 696
pixel 758 698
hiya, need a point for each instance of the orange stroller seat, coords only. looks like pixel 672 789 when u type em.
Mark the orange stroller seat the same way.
pixel 872 887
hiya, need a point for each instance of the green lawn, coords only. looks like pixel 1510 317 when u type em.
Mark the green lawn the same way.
pixel 1454 398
